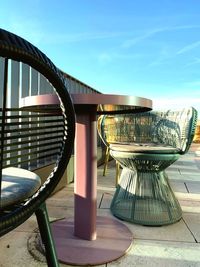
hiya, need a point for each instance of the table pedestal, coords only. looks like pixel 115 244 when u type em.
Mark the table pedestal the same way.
pixel 85 184
pixel 88 240
pixel 113 240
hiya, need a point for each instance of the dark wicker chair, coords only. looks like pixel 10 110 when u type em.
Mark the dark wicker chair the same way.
pixel 30 140
pixel 145 145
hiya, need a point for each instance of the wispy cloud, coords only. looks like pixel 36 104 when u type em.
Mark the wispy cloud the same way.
pixel 131 42
pixel 34 30
pixel 30 29
pixel 188 47
pixel 194 61
pixel 79 37
pixel 146 35
pixel 84 36
pixel 163 55
pixel 106 57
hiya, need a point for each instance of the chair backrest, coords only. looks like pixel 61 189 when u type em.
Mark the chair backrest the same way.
pixel 177 128
pixel 31 139
pixel 173 128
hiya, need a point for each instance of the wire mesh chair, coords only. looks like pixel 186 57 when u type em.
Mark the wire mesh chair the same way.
pixel 31 140
pixel 145 145
pixel 107 145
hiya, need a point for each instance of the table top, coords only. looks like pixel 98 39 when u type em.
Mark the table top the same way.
pixel 105 103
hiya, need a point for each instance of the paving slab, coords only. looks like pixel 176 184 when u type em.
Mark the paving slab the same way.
pixel 178 186
pixel 27 226
pixel 187 176
pixel 173 170
pixel 193 222
pixel 190 206
pixel 106 200
pixel 64 197
pixel 193 186
pixel 60 212
pixel 191 171
pixel 173 232
pixel 14 252
pixel 188 196
pixel 160 253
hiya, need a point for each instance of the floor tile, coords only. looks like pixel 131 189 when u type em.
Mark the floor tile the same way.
pixel 14 251
pixel 106 200
pixel 193 187
pixel 178 186
pixel 159 253
pixel 193 223
pixel 174 232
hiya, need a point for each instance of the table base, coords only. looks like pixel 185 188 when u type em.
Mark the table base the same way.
pixel 113 241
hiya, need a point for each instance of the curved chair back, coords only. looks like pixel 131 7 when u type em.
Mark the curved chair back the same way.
pixel 172 128
pixel 30 139
pixel 178 128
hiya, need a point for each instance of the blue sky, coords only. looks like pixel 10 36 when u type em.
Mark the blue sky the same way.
pixel 132 47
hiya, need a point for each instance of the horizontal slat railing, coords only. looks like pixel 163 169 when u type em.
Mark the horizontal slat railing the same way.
pixel 27 148
pixel 31 139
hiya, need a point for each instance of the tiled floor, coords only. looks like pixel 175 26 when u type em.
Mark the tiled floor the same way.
pixel 167 246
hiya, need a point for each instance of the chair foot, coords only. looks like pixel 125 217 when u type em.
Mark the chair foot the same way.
pixel 117 173
pixel 145 198
pixel 46 235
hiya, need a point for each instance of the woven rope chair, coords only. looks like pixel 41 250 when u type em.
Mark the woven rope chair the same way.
pixel 107 145
pixel 31 139
pixel 145 145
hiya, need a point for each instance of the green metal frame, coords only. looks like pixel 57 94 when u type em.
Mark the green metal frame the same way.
pixel 138 142
pixel 144 195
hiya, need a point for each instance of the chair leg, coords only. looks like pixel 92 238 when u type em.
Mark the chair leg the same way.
pixel 46 235
pixel 106 160
pixel 117 174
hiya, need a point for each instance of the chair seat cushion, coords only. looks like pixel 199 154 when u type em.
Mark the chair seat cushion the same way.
pixel 17 185
pixel 150 148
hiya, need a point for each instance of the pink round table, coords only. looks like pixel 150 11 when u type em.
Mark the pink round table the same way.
pixel 89 239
